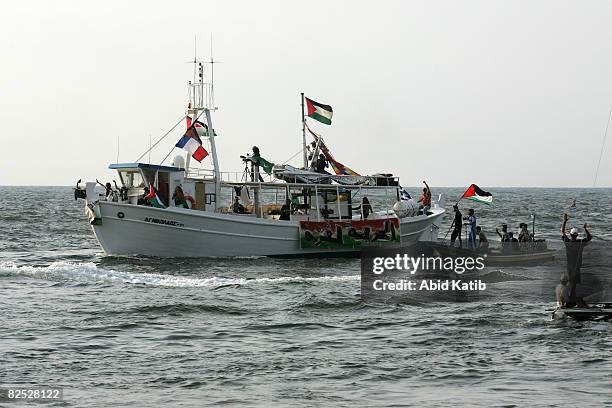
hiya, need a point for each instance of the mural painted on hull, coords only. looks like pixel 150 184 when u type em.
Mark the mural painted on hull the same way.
pixel 349 234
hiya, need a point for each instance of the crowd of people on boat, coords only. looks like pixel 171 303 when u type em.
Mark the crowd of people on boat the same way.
pixel 477 239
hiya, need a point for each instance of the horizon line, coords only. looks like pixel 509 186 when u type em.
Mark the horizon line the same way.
pixel 415 186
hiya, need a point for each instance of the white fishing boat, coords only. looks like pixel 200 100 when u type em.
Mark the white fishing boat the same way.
pixel 289 212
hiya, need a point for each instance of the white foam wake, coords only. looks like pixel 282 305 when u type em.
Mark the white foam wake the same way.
pixel 90 273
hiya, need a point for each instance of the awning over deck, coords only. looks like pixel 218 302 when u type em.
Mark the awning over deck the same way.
pixel 144 166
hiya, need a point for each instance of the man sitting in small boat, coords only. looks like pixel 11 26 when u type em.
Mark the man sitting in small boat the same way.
pixel 562 293
pixel 514 243
pixel 504 233
pixel 237 207
pixel 506 238
pixel 573 251
pixel 524 235
pixel 564 300
pixel 483 241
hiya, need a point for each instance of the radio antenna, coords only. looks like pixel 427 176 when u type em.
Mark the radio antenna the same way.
pixel 603 146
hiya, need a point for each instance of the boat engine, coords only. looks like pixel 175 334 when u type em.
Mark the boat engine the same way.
pixel 79 192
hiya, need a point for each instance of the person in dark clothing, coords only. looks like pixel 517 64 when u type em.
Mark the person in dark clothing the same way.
pixel 321 164
pixel 573 251
pixel 237 207
pixel 513 243
pixel 524 235
pixel 457 224
pixel 179 197
pixel 504 235
pixel 285 211
pixel 366 207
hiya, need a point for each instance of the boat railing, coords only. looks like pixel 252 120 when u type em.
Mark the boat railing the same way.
pixel 344 181
pixel 202 94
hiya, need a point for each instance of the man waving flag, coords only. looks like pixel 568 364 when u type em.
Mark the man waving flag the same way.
pixel 477 194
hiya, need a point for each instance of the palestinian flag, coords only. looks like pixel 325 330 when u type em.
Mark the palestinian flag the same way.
pixel 201 128
pixel 318 111
pixel 477 194
pixel 154 199
pixel 263 163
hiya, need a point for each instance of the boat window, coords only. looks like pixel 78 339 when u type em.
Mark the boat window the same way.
pixel 132 179
pixel 149 176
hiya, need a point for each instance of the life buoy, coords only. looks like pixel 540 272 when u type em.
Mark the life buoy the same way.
pixel 191 200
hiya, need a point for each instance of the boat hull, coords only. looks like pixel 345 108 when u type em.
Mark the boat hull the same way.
pixel 600 311
pixel 175 232
pixel 496 257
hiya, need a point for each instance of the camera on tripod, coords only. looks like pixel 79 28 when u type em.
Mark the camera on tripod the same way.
pixel 247 158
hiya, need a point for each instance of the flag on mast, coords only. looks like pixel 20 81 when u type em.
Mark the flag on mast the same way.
pixel 202 128
pixel 475 193
pixel 193 144
pixel 338 167
pixel 318 111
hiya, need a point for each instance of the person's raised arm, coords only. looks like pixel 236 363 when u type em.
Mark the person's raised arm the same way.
pixel 427 186
pixel 587 232
pixel 100 183
pixel 565 218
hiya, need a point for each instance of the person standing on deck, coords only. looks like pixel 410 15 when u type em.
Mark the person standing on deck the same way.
pixel 471 223
pixel 573 251
pixel 425 199
pixel 260 162
pixel 457 224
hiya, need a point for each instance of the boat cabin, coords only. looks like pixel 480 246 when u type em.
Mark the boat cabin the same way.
pixel 137 177
pixel 323 200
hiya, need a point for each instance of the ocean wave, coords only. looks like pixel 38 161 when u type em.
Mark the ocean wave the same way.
pixel 89 272
pixel 501 276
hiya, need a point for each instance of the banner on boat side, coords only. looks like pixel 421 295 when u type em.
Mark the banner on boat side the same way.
pixel 330 234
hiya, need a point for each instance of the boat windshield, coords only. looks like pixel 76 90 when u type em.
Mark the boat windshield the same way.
pixel 132 178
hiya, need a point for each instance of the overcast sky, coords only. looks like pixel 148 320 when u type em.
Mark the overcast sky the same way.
pixel 501 93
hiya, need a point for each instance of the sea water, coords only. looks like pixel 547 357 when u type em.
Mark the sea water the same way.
pixel 138 331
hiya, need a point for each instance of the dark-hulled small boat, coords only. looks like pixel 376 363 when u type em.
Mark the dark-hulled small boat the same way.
pixel 526 253
pixel 596 311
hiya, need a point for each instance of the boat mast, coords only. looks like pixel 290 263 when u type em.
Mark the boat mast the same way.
pixel 304 134
pixel 203 102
